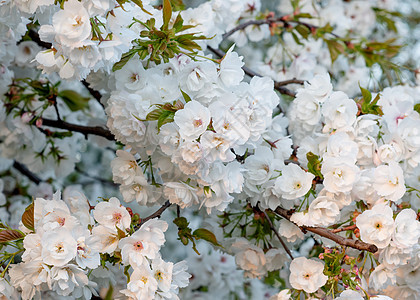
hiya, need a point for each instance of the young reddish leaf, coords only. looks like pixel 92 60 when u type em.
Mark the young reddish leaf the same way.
pixel 9 235
pixel 167 13
pixel 28 217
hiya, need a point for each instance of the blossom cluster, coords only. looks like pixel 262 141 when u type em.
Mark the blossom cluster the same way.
pixel 70 239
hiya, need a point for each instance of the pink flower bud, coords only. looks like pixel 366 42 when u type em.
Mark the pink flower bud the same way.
pixel 26 117
pixel 38 122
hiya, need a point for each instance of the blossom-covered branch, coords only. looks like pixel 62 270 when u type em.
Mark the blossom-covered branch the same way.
pixel 324 232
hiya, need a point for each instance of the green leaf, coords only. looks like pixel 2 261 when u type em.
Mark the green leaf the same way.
pixel 109 293
pixel 181 222
pixel 8 235
pixel 314 164
pixel 139 3
pixel 167 13
pixel 178 23
pixel 417 107
pixel 74 100
pixel 335 48
pixel 303 30
pixel 206 235
pixel 367 96
pixel 124 60
pixel 166 117
pixel 186 97
pixel 28 217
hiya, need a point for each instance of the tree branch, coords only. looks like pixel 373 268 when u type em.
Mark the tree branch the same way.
pixel 94 93
pixel 156 214
pixel 324 232
pixel 252 73
pixel 86 130
pixel 278 235
pixel 245 25
pixel 25 171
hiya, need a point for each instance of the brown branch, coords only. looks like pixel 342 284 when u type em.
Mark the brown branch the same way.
pixel 245 25
pixel 351 227
pixel 94 93
pixel 278 235
pixel 86 130
pixel 252 73
pixel 289 81
pixel 156 214
pixel 25 171
pixel 324 232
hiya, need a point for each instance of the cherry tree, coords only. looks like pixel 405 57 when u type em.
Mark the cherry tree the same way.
pixel 239 149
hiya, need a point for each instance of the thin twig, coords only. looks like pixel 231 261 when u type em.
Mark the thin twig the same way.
pixel 244 25
pixel 94 93
pixel 324 232
pixel 252 73
pixel 86 130
pixel 289 81
pixel 278 235
pixel 101 180
pixel 25 171
pixel 156 214
pixel 351 227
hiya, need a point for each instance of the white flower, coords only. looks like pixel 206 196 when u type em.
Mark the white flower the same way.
pixel 319 87
pixel 323 211
pixel 191 152
pixel 124 167
pixel 290 231
pixel 339 111
pixel 192 120
pixel 376 225
pixel 307 274
pixel 145 242
pixel 142 285
pixel 349 295
pixel 407 229
pixel 71 24
pixel 230 72
pixel 293 182
pixel 71 280
pixel 111 214
pixel 132 76
pixel 216 147
pixel 180 193
pixel 249 258
pixel 340 145
pixel 389 181
pixel 339 175
pixel 58 247
pixel 306 108
pixel 283 295
pixel 163 273
pixel 108 238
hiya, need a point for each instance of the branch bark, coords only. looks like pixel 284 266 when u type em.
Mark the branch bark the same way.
pixel 25 171
pixel 278 235
pixel 324 232
pixel 156 214
pixel 86 130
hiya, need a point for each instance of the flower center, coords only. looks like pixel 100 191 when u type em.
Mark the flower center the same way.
pixel 138 246
pixel 158 275
pixel 59 248
pixel 197 123
pixel 116 217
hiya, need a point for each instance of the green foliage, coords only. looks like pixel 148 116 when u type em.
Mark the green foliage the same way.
pixel 163 43
pixel 74 100
pixel 185 234
pixel 314 164
pixel 367 106
pixel 386 18
pixel 164 113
